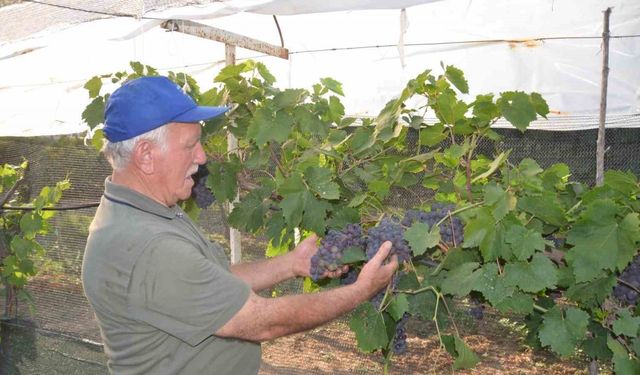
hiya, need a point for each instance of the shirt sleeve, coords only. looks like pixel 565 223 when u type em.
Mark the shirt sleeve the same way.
pixel 178 290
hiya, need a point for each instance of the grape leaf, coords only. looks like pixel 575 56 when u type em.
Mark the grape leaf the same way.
pixel 432 135
pixel 493 286
pixel 352 255
pixel 93 86
pixel 265 126
pixel 624 182
pixel 449 109
pixel 532 276
pixel 546 207
pixel 517 108
pixel 592 293
pixel 500 201
pixel 596 345
pixel 314 213
pixel 464 357
pixel 368 325
pixel 398 306
pixel 622 365
pixel 457 256
pixel 524 242
pixel 563 330
pixel 93 114
pixel 288 98
pixel 319 180
pixel 626 324
pixel 420 238
pixel 600 242
pixel 517 303
pixel 461 280
pixel 332 85
pixel 456 77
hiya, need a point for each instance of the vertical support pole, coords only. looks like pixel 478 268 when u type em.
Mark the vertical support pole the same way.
pixel 235 239
pixel 600 145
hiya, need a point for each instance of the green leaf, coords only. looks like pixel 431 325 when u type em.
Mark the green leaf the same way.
pixel 30 224
pixel 461 280
pixel 265 73
pixel 288 98
pixel 398 306
pixel 484 109
pixel 265 126
pixel 353 255
pixel 532 276
pixel 250 213
pixel 539 104
pixel 362 140
pixel 21 247
pixel 456 77
pixel 494 287
pixel 320 181
pixel 276 250
pixel 368 325
pixel 464 357
pixel 315 213
pixel 622 364
pixel 545 206
pixel 562 330
pixel 336 109
pixel 626 324
pixel 420 238
pixel 596 345
pixel 332 85
pixel 93 114
pixel 499 200
pixel 433 135
pixel 97 140
pixel 517 108
pixel 518 303
pixel 222 179
pixel 458 256
pixel 524 242
pixel 449 109
pixel 593 293
pixel 93 86
pixel 310 123
pixel 600 242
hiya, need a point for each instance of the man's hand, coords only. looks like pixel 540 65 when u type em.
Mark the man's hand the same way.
pixel 301 258
pixel 376 275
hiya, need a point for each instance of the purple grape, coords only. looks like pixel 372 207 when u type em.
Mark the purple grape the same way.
pixel 631 277
pixel 328 256
pixel 400 338
pixel 451 229
pixel 200 192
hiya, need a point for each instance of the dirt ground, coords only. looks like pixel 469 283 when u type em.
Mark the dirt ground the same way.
pixel 498 342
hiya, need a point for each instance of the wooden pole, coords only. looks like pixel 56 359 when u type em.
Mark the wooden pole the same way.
pixel 600 145
pixel 235 238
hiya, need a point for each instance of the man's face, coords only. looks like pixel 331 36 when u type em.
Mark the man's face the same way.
pixel 180 160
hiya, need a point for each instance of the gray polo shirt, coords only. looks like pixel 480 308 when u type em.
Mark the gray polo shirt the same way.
pixel 160 290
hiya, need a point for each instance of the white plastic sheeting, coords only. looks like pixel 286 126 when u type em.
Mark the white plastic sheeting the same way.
pixel 41 82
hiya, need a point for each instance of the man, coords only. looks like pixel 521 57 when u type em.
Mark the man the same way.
pixel 166 299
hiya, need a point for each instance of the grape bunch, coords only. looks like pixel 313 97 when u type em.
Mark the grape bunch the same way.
pixel 451 230
pixel 200 192
pixel 388 229
pixel 328 256
pixel 400 338
pixel 627 292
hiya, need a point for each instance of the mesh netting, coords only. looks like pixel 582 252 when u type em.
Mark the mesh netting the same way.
pixel 63 313
pixel 57 14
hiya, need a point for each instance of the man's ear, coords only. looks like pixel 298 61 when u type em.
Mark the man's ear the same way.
pixel 143 155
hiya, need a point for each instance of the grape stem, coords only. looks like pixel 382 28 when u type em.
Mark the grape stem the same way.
pixel 621 281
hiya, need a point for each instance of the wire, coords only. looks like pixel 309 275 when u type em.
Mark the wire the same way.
pixel 58 208
pixel 114 14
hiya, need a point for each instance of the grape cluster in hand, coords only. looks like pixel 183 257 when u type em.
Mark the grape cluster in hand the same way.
pixel 631 276
pixel 451 229
pixel 200 192
pixel 329 255
pixel 388 229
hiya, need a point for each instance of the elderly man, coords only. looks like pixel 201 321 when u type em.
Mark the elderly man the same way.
pixel 166 299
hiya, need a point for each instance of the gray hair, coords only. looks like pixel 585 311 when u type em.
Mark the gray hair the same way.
pixel 119 153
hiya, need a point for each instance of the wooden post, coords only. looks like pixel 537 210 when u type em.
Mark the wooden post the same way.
pixel 235 238
pixel 600 145
pixel 230 40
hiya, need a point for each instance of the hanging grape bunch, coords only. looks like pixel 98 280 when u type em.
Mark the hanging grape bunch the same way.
pixel 200 192
pixel 332 246
pixel 451 228
pixel 627 291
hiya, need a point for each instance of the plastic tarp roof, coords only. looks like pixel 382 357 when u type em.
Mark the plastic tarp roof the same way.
pixel 372 47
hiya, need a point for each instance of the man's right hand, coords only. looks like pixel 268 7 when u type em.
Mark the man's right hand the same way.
pixel 375 274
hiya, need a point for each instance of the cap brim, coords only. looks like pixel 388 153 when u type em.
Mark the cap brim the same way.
pixel 200 113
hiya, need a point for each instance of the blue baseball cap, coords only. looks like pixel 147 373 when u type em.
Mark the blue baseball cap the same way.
pixel 146 103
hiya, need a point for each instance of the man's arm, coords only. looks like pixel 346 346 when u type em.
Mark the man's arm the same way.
pixel 267 273
pixel 262 319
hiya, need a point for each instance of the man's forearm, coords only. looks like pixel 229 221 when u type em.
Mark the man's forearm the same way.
pixel 266 273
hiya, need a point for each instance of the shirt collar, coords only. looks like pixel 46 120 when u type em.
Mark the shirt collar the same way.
pixel 124 195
